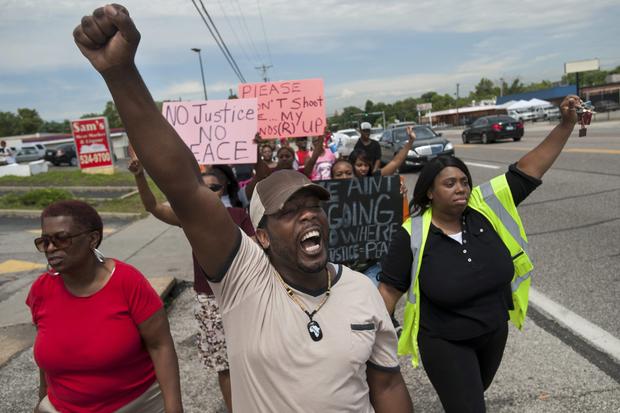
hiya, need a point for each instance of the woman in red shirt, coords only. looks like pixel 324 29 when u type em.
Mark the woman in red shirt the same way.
pixel 103 341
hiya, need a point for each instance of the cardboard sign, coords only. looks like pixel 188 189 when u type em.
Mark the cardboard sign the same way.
pixel 216 131
pixel 92 142
pixel 362 215
pixel 288 109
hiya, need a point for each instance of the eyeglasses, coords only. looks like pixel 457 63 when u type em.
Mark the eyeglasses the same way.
pixel 60 241
pixel 215 187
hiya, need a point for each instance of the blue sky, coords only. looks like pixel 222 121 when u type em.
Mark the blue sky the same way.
pixel 379 50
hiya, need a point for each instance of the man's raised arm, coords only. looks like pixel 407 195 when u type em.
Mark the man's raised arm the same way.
pixel 109 40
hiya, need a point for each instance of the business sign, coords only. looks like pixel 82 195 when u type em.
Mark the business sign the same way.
pixel 92 143
pixel 216 131
pixel 362 214
pixel 581 66
pixel 421 107
pixel 294 108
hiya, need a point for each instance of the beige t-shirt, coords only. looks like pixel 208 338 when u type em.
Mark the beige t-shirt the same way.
pixel 275 366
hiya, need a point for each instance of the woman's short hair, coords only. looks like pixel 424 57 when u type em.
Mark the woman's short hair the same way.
pixel 420 201
pixel 82 214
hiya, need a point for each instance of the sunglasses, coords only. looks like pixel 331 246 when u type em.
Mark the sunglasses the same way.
pixel 215 187
pixel 60 241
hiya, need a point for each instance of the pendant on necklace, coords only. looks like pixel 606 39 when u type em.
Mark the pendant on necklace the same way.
pixel 315 330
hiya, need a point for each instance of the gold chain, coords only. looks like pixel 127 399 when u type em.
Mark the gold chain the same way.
pixel 293 296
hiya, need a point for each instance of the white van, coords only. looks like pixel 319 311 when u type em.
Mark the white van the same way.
pixel 522 114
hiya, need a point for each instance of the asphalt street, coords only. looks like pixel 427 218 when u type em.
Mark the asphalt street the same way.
pixel 573 222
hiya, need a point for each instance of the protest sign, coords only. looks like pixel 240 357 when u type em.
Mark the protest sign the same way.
pixel 92 144
pixel 362 215
pixel 216 131
pixel 288 109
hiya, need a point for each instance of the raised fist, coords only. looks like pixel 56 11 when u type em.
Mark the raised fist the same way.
pixel 108 38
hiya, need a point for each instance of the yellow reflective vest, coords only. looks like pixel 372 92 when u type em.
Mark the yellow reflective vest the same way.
pixel 492 199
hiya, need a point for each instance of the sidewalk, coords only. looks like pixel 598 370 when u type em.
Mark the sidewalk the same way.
pixel 539 372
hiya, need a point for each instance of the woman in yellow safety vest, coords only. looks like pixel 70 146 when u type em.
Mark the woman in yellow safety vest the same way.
pixel 462 258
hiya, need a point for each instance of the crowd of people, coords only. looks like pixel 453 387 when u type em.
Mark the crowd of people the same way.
pixel 284 329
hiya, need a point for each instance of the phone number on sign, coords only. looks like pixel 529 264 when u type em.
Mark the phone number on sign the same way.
pixel 99 157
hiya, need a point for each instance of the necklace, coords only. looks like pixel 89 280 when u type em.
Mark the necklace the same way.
pixel 314 329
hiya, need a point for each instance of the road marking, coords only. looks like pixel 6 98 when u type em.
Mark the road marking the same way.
pixel 482 165
pixel 18 266
pixel 522 149
pixel 590 332
pixel 38 231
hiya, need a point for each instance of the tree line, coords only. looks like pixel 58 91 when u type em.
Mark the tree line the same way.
pixel 405 110
pixel 27 121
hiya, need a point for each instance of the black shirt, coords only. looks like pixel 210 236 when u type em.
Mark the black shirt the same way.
pixel 373 150
pixel 464 288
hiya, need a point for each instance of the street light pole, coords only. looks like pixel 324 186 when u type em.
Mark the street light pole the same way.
pixel 202 71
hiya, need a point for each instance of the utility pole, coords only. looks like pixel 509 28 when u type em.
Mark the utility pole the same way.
pixel 202 71
pixel 457 104
pixel 501 87
pixel 263 69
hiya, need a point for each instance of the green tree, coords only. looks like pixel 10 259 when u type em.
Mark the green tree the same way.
pixel 485 89
pixel 114 119
pixel 515 87
pixel 8 124
pixel 56 127
pixel 29 121
pixel 90 115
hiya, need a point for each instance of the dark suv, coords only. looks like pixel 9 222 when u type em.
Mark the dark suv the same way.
pixel 62 154
pixel 427 145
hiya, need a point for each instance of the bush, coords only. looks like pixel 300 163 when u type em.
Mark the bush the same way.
pixel 38 198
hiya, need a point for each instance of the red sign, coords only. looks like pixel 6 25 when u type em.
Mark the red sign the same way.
pixel 91 142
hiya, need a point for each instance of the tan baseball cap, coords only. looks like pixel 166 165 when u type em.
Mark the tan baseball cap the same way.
pixel 271 193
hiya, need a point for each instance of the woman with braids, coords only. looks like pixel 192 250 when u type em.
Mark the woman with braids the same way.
pixel 103 341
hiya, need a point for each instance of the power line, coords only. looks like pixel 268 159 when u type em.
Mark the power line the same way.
pixel 220 37
pixel 245 25
pixel 262 22
pixel 219 41
pixel 245 53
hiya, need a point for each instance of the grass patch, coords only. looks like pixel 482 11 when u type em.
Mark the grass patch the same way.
pixel 40 198
pixel 73 177
pixel 36 199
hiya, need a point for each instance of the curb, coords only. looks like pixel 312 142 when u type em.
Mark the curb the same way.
pixel 589 332
pixel 34 213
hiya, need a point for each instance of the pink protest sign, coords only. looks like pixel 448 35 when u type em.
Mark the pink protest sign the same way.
pixel 216 131
pixel 288 109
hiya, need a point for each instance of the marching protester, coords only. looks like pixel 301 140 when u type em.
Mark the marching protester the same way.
pixel 363 164
pixel 302 153
pixel 371 147
pixel 211 338
pixel 463 259
pixel 290 347
pixel 103 341
pixel 266 152
pixel 319 165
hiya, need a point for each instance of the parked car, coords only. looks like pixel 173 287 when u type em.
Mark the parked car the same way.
pixel 29 153
pixel 488 129
pixel 63 154
pixel 428 145
pixel 349 132
pixel 376 133
pixel 606 105
pixel 522 114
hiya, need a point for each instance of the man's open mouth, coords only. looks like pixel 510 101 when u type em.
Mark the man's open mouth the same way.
pixel 311 242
